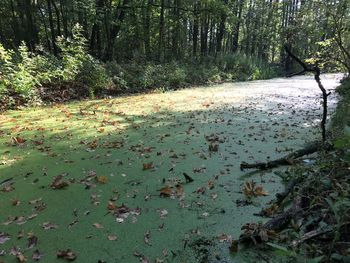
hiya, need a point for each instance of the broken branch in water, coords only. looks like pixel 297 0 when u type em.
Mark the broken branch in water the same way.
pixel 288 159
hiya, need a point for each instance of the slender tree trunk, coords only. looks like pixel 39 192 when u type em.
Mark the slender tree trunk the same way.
pixel 52 29
pixel 147 29
pixel 31 29
pixel 114 31
pixel 195 30
pixel 177 34
pixel 204 34
pixel 64 17
pixel 248 27
pixel 221 30
pixel 237 26
pixel 57 12
pixel 161 32
pixel 95 39
pixel 47 38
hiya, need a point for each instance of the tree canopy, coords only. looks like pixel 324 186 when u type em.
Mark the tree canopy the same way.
pixel 163 30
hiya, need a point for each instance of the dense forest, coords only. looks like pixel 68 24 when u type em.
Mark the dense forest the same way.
pixel 201 131
pixel 139 44
pixel 168 30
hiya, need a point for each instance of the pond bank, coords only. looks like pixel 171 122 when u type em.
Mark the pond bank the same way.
pixel 319 231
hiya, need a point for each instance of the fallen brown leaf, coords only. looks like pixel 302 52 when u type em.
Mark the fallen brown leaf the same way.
pixel 66 254
pixel 147 166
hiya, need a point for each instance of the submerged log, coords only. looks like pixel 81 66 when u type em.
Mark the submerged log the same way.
pixel 288 159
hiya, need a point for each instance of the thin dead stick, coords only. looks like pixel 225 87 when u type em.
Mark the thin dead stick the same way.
pixel 317 72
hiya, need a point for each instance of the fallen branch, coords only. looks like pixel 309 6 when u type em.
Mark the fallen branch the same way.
pixel 264 232
pixel 6 181
pixel 280 197
pixel 288 159
pixel 310 235
pixel 257 233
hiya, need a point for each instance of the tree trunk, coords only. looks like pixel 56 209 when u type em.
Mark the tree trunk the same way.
pixel 52 29
pixel 147 29
pixel 204 34
pixel 221 30
pixel 161 32
pixel 114 30
pixel 195 30
pixel 57 12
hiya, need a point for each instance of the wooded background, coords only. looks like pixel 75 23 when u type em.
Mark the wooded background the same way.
pixel 164 30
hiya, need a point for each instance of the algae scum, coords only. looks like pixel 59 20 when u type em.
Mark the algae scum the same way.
pixel 102 181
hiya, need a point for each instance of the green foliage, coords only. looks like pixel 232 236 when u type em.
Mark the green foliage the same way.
pixel 73 54
pixel 23 72
pixel 343 142
pixel 18 72
pixel 141 76
pixel 78 65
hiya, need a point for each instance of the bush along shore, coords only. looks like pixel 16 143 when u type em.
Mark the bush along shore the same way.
pixel 28 78
pixel 310 220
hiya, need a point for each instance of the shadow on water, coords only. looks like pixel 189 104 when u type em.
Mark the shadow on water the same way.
pixel 114 139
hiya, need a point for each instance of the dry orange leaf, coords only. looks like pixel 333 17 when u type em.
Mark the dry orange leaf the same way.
pixel 18 140
pixel 251 189
pixel 93 144
pixel 147 166
pixel 111 205
pixel 66 254
pixel 259 191
pixel 166 191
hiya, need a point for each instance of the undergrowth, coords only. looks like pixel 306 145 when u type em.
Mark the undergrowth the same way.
pixel 27 77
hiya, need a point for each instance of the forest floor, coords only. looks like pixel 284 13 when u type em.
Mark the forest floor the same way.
pixel 102 180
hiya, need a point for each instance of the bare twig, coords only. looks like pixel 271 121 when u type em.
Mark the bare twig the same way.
pixel 317 72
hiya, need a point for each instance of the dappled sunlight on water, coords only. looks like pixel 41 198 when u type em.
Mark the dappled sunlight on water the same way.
pixel 170 133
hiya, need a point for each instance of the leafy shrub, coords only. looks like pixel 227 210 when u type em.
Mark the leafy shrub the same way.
pixel 78 65
pixel 23 72
pixel 18 72
pixel 141 76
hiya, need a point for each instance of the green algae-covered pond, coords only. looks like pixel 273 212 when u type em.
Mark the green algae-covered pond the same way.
pixel 104 178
